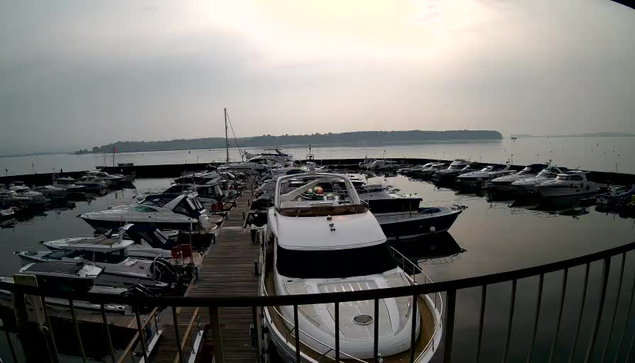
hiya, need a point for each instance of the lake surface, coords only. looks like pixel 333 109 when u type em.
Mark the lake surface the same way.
pixel 494 238
pixel 593 153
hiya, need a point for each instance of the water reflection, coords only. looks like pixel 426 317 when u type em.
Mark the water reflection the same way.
pixel 433 249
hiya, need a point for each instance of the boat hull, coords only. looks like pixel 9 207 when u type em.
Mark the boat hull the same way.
pixel 399 226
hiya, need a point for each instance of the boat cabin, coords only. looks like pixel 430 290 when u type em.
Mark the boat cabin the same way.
pixel 185 204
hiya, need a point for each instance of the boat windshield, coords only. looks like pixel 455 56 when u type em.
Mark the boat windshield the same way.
pixel 548 173
pixel 158 200
pixel 94 256
pixel 362 261
pixel 526 170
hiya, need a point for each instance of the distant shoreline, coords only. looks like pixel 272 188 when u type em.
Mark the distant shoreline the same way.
pixel 598 134
pixel 359 138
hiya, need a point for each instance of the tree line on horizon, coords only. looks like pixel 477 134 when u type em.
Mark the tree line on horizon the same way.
pixel 357 138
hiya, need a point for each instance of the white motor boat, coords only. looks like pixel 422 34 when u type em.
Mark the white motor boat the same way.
pixel 573 183
pixel 19 194
pixel 111 180
pixel 456 168
pixel 504 183
pixel 529 185
pixel 210 195
pixel 326 240
pixel 93 184
pixel 424 171
pixel 69 185
pixel 51 192
pixel 480 178
pixel 272 155
pixel 183 212
pixel 69 276
pixel 120 270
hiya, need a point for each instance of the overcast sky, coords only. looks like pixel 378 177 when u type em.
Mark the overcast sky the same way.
pixel 84 73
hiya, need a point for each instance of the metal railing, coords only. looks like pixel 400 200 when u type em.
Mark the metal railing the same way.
pixel 449 287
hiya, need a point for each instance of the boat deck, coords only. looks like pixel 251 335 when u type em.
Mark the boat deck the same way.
pixel 226 270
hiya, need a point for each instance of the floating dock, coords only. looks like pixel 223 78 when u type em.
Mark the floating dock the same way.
pixel 227 270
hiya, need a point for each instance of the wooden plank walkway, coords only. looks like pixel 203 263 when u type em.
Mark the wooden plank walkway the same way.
pixel 227 270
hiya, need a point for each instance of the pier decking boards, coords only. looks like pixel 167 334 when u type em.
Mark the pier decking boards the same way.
pixel 226 270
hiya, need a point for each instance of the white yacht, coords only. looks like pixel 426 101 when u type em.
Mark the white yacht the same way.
pixel 529 185
pixel 182 212
pixel 482 177
pixel 504 183
pixel 573 183
pixel 326 240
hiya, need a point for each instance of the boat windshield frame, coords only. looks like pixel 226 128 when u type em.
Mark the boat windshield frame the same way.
pixel 335 206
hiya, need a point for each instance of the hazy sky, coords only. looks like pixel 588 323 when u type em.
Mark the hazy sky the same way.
pixel 84 73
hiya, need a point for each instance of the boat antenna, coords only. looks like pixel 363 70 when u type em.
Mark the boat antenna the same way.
pixel 226 138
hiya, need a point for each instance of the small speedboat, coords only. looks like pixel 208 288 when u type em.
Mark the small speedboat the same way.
pixel 418 222
pixel 76 277
pixel 504 183
pixel 617 198
pixel 573 183
pixel 6 212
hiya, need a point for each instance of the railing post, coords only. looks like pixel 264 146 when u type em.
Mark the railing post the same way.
pixel 218 339
pixel 606 268
pixel 337 332
pixel 142 336
pixel 449 326
pixel 296 327
pixel 413 332
pixel 510 321
pixel 628 316
pixel 617 304
pixel 77 333
pixel 481 323
pixel 536 317
pixel 577 329
pixel 565 276
pixel 37 345
pixel 110 346
pixel 177 334
pixel 376 333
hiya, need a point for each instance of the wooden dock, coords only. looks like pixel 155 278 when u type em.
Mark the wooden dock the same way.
pixel 227 270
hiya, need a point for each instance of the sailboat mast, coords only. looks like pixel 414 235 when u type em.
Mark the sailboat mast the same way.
pixel 226 138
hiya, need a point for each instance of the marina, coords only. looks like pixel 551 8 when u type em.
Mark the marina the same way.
pixel 231 265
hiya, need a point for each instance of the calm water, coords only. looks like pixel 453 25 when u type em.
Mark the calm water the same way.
pixel 603 154
pixel 495 238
